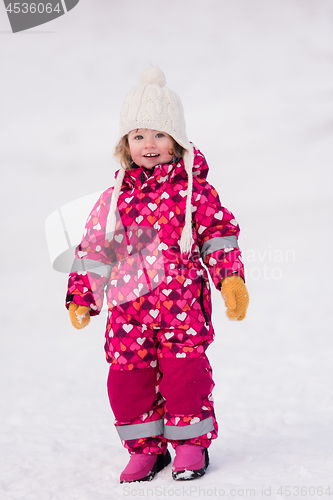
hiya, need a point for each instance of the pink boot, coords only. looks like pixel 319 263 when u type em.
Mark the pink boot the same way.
pixel 143 467
pixel 191 461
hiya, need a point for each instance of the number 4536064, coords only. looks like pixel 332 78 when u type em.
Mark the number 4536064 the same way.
pixel 304 491
pixel 33 8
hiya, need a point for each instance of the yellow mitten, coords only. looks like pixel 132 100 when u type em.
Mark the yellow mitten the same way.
pixel 79 315
pixel 235 296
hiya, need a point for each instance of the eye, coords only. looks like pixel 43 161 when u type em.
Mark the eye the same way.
pixel 138 137
pixel 159 135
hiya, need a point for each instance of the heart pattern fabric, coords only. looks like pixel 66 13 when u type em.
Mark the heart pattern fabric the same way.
pixel 152 287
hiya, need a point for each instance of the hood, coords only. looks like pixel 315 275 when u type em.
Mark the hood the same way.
pixel 200 166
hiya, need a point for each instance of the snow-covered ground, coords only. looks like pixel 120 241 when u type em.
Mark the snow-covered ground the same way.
pixel 255 78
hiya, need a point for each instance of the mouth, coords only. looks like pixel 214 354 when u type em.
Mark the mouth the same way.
pixel 151 155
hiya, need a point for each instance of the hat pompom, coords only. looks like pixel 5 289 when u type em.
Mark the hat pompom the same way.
pixel 153 76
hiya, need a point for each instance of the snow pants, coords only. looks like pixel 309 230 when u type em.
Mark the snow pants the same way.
pixel 160 387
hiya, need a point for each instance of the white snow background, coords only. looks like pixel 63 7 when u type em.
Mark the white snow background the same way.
pixel 256 81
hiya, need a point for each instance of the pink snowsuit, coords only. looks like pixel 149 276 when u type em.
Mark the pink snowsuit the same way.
pixel 159 306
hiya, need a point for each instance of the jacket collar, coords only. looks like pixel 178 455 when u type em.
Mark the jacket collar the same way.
pixel 135 176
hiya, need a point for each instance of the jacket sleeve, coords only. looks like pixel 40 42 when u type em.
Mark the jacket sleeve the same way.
pixel 93 260
pixel 217 233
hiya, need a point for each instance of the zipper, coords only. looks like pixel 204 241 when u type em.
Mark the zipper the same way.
pixel 203 282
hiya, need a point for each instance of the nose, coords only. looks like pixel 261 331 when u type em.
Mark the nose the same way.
pixel 149 142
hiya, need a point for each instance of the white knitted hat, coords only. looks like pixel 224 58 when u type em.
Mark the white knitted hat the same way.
pixel 152 105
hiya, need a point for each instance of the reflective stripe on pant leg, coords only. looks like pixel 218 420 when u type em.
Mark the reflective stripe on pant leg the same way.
pixel 136 431
pixel 189 431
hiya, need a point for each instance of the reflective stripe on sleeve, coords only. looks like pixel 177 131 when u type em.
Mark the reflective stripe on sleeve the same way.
pixel 136 431
pixel 92 266
pixel 214 244
pixel 189 431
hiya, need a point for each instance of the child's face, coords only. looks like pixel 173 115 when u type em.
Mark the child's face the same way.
pixel 150 147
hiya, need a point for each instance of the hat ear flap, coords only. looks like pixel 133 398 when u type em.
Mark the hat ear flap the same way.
pixel 186 240
pixel 112 219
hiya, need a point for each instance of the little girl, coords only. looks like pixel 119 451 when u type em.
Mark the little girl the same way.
pixel 144 244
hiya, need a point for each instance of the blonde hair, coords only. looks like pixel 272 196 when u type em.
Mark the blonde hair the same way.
pixel 123 155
